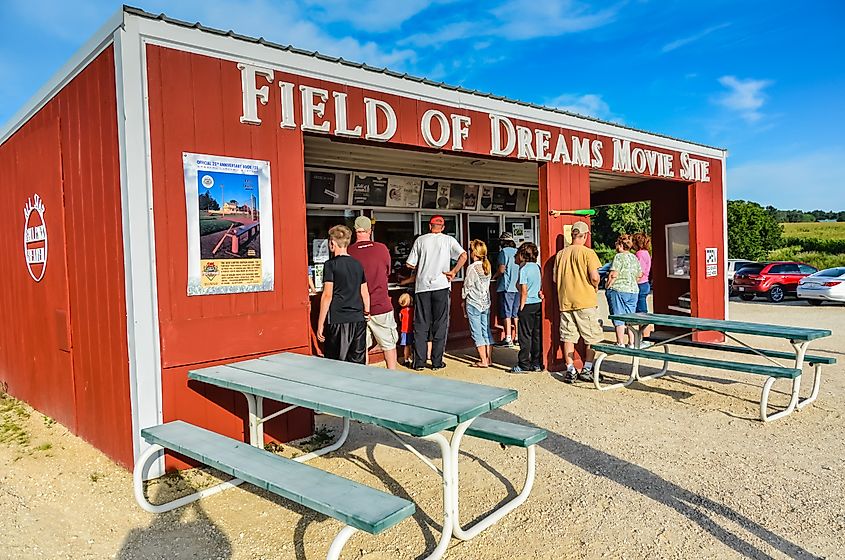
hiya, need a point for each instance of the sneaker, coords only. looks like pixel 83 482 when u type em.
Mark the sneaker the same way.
pixel 517 369
pixel 437 368
pixel 570 376
pixel 586 375
pixel 537 368
pixel 506 343
pixel 646 344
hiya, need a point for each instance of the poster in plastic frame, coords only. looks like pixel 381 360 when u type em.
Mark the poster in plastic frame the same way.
pixel 230 225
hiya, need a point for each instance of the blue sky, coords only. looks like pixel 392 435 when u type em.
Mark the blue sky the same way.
pixel 766 80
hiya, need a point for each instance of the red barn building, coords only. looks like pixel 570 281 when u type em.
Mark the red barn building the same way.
pixel 123 271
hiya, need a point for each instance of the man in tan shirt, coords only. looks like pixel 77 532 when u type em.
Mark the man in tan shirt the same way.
pixel 577 278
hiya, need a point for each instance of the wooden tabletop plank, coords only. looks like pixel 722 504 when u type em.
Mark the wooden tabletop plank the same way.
pixel 496 396
pixel 464 407
pixel 412 420
pixel 698 323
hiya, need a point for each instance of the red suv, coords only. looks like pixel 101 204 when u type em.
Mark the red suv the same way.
pixel 772 279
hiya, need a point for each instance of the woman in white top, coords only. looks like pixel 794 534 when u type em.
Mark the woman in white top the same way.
pixel 476 294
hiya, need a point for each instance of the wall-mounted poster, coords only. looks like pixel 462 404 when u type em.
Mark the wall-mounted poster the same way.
pixel 403 192
pixel 429 194
pixel 443 194
pixel 325 187
pixel 369 190
pixel 230 224
pixel 485 201
pixel 470 197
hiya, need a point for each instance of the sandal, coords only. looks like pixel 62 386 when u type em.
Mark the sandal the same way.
pixel 479 366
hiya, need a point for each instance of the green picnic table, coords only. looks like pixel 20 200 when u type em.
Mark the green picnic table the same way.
pixel 798 337
pixel 417 406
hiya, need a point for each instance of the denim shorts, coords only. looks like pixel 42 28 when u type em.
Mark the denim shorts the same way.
pixel 479 326
pixel 406 339
pixel 620 303
pixel 508 305
pixel 642 297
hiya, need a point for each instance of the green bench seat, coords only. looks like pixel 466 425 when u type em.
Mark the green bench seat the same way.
pixel 505 433
pixel 350 502
pixel 770 371
pixel 812 360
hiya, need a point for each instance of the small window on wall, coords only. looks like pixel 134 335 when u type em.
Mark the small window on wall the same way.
pixel 325 187
pixel 317 225
pixel 369 190
pixel 452 228
pixel 522 229
pixel 533 202
pixel 677 250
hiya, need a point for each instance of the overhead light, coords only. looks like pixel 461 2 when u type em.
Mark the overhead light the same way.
pixel 477 162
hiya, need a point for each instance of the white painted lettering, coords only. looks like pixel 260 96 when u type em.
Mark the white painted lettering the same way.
pixel 251 93
pixel 524 141
pixel 541 144
pixel 460 130
pixel 310 109
pixel 425 128
pixel 496 148
pixel 373 106
pixel 561 150
pixel 598 158
pixel 580 151
pixel 341 127
pixel 638 160
pixel 621 155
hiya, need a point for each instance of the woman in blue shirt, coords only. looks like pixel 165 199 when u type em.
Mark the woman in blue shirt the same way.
pixel 529 284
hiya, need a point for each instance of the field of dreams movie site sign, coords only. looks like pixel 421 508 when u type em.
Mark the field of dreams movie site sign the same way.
pixel 440 130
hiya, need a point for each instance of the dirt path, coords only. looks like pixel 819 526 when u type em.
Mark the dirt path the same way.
pixel 678 468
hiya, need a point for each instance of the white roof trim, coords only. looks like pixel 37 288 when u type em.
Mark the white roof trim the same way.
pixel 80 59
pixel 199 41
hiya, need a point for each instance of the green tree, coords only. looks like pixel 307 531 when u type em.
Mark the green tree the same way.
pixel 752 231
pixel 611 221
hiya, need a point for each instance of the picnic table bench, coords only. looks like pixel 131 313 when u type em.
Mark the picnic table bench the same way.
pixel 415 405
pixel 358 506
pixel 798 337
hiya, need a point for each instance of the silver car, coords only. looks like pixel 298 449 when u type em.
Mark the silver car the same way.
pixel 824 285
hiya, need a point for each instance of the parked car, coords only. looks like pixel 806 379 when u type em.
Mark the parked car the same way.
pixel 771 279
pixel 733 266
pixel 824 285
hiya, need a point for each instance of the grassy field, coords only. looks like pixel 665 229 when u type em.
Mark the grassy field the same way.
pixel 819 230
pixel 819 244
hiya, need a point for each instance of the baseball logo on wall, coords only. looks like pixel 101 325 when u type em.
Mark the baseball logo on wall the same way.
pixel 35 237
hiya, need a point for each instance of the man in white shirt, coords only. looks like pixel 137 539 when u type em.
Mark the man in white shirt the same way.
pixel 430 258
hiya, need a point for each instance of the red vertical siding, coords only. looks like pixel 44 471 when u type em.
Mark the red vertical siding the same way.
pixel 68 154
pixel 194 104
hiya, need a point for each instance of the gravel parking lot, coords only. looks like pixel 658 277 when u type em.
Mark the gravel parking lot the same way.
pixel 679 468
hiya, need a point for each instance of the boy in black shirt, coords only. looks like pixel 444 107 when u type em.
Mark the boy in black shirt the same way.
pixel 345 304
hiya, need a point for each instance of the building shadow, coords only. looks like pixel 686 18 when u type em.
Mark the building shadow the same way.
pixel 186 533
pixel 701 510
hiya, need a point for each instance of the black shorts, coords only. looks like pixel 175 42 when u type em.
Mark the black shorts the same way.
pixel 346 342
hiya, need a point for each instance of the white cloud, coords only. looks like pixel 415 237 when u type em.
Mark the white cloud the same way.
pixel 589 104
pixel 746 97
pixel 376 16
pixel 807 181
pixel 682 42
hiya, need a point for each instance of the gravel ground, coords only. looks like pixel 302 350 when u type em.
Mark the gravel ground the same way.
pixel 679 468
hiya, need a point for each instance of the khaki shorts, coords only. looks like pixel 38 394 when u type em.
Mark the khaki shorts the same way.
pixel 581 323
pixel 382 329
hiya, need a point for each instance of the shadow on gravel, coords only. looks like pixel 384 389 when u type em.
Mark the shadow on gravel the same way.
pixel 699 509
pixel 182 534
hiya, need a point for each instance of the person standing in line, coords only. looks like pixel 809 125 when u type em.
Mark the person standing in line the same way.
pixel 345 304
pixel 577 278
pixel 375 258
pixel 430 257
pixel 406 327
pixel 506 272
pixel 476 294
pixel 622 284
pixel 529 283
pixel 642 250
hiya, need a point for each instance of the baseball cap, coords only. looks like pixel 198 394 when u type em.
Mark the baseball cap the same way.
pixel 437 221
pixel 363 223
pixel 506 235
pixel 582 227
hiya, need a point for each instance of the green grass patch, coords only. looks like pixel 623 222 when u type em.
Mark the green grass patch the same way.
pixel 213 225
pixel 812 258
pixel 13 417
pixel 818 230
pixel 44 447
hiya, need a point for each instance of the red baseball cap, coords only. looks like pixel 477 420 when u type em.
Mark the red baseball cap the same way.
pixel 437 221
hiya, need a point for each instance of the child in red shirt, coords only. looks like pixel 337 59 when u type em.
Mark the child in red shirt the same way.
pixel 406 327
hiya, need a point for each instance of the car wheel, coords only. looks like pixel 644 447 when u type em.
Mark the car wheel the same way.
pixel 746 297
pixel 814 302
pixel 776 294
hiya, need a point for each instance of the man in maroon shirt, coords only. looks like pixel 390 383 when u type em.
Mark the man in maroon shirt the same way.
pixel 375 258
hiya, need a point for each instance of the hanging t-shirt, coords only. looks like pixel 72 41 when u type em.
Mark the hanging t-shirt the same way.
pixel 507 281
pixel 375 258
pixel 346 275
pixel 432 255
pixel 531 277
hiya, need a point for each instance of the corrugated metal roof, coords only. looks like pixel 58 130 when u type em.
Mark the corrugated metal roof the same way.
pixel 404 76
